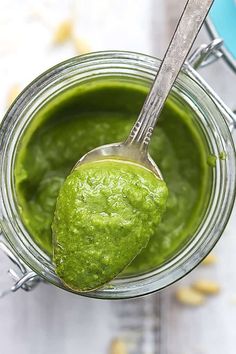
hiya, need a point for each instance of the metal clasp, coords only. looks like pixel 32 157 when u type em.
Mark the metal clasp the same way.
pixel 206 54
pixel 25 279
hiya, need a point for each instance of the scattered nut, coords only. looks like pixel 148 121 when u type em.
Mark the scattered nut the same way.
pixel 118 346
pixel 81 46
pixel 210 259
pixel 12 94
pixel 63 32
pixel 189 296
pixel 207 287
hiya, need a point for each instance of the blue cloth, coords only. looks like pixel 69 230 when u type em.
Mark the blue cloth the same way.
pixel 223 17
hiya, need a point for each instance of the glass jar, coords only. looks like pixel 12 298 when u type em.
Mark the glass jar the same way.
pixel 213 119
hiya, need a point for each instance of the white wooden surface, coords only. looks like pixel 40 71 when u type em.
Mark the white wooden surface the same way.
pixel 49 320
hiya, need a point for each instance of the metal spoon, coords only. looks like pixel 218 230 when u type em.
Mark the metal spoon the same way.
pixel 135 148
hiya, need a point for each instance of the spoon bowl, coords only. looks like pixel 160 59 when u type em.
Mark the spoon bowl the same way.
pixel 121 151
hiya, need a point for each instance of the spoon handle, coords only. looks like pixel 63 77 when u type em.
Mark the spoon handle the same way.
pixel 186 31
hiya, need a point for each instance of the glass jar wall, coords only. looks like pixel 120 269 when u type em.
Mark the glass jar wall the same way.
pixel 125 68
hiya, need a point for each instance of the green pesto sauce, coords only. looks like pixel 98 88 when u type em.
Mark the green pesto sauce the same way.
pixel 105 214
pixel 100 113
pixel 211 160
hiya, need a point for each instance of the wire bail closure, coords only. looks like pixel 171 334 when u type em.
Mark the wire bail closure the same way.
pixel 206 54
pixel 25 279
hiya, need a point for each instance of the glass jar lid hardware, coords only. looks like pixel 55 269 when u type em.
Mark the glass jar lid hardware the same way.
pixel 26 280
pixel 206 54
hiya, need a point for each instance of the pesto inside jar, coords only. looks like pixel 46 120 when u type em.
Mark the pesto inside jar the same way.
pixel 102 112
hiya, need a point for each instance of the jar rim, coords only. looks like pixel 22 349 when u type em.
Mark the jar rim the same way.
pixel 86 65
